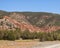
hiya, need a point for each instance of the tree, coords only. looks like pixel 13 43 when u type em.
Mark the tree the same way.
pixel 11 35
pixel 1 35
pixel 49 36
pixel 25 34
pixel 41 36
pixel 58 37
pixel 5 37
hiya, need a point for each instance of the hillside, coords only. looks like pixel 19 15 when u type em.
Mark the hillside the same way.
pixel 36 21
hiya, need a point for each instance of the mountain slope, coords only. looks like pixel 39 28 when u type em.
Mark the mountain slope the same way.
pixel 35 21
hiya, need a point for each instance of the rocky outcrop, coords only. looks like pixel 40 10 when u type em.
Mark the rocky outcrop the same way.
pixel 31 28
pixel 22 26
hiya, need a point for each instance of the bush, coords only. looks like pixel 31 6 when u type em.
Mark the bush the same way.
pixel 1 35
pixel 49 36
pixel 17 34
pixel 29 35
pixel 5 37
pixel 11 35
pixel 58 37
pixel 26 35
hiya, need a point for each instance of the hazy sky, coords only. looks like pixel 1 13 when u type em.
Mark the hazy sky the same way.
pixel 31 5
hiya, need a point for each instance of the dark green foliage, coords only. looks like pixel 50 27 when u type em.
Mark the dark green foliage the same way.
pixel 13 35
pixel 17 34
pixel 43 36
pixel 10 34
pixel 26 35
pixel 49 36
pixel 29 35
pixel 1 35
pixel 5 37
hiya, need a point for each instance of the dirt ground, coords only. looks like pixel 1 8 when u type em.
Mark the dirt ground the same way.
pixel 26 44
pixel 17 44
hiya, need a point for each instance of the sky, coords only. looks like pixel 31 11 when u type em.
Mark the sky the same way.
pixel 31 5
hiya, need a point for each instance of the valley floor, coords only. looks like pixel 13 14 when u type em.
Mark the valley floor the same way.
pixel 29 44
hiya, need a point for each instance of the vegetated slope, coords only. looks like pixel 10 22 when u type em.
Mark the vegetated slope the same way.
pixel 41 20
pixel 3 13
pixel 46 21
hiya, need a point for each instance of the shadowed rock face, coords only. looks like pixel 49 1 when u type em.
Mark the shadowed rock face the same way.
pixel 32 21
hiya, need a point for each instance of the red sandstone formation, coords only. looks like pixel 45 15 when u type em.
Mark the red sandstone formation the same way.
pixel 30 27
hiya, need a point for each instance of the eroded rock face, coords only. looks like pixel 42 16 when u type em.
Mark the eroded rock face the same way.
pixel 32 21
pixel 22 26
pixel 9 23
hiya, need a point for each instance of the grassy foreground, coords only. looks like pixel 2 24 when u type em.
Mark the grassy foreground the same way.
pixel 18 43
pixel 25 43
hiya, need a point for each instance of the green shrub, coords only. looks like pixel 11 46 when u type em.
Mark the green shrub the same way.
pixel 11 35
pixel 1 35
pixel 58 37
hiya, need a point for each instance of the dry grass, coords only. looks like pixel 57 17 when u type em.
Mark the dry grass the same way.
pixel 25 43
pixel 18 44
